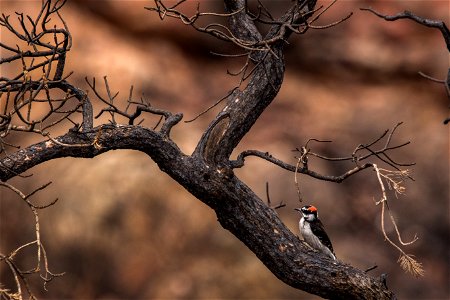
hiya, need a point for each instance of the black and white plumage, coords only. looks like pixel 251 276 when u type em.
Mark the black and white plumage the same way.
pixel 313 231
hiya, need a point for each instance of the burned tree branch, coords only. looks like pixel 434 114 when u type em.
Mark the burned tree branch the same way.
pixel 381 154
pixel 239 162
pixel 89 144
pixel 140 107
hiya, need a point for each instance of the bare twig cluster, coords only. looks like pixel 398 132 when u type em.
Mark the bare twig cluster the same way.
pixel 359 157
pixel 29 101
pixel 21 276
pixel 302 16
pixel 298 21
pixel 222 32
pixel 133 109
pixel 36 34
pixel 363 152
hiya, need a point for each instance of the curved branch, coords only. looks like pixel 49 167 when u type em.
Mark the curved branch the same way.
pixel 429 23
pixel 239 162
pixel 381 154
pixel 90 144
pixel 426 22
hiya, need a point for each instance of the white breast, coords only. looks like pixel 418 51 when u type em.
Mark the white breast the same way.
pixel 311 239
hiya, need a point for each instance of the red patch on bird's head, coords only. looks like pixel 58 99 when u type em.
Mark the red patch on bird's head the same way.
pixel 312 209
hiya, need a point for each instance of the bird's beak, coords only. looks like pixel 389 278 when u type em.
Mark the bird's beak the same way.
pixel 298 209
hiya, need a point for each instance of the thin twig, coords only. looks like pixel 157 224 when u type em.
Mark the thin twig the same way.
pixel 406 261
pixel 212 106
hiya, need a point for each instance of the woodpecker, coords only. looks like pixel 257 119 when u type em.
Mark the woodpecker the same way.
pixel 313 231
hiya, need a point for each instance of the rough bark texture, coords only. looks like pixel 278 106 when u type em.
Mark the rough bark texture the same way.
pixel 208 174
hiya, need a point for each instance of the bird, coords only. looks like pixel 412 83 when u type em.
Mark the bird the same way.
pixel 313 231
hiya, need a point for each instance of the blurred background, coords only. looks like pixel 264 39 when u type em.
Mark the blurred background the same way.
pixel 122 229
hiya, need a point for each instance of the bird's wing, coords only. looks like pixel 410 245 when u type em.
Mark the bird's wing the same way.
pixel 319 231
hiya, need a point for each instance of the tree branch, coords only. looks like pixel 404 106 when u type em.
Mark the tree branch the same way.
pixel 426 22
pixel 239 162
pixel 89 144
pixel 429 23
pixel 381 154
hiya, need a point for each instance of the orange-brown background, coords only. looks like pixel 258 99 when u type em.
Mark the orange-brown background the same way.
pixel 123 229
